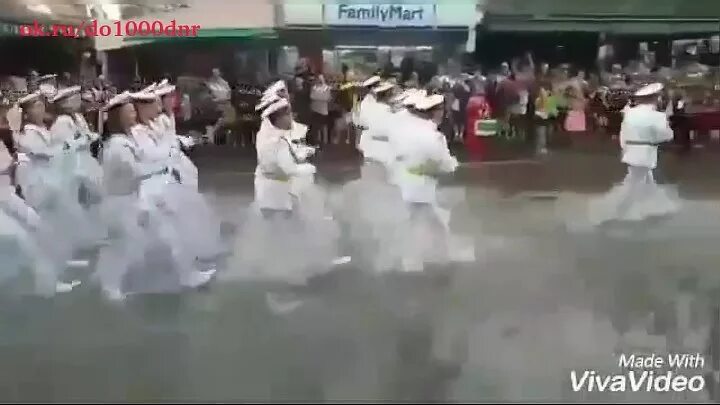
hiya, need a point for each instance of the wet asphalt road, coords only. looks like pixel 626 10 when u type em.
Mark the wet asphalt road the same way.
pixel 539 302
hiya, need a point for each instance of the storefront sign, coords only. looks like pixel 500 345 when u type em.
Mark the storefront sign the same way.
pixel 381 15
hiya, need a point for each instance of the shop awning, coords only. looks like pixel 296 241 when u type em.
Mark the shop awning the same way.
pixel 607 24
pixel 208 33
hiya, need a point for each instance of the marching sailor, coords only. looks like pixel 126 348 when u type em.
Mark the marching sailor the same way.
pixel 201 230
pixel 125 213
pixel 281 178
pixel 372 206
pixel 643 129
pixel 48 177
pixel 425 157
pixel 375 142
pixel 166 192
pixel 70 127
pixel 178 143
pixel 24 241
pixel 365 110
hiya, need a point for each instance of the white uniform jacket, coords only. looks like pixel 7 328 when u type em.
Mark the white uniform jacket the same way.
pixel 276 168
pixel 425 155
pixel 643 129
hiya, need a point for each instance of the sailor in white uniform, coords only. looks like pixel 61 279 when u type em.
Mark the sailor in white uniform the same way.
pixel 290 219
pixel 47 176
pixel 71 128
pixel 201 230
pixel 166 192
pixel 375 142
pixel 125 213
pixel 365 110
pixel 643 129
pixel 420 165
pixel 178 143
pixel 371 206
pixel 23 239
pixel 403 118
pixel 71 125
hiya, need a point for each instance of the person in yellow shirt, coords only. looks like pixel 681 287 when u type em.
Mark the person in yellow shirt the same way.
pixel 546 111
pixel 347 99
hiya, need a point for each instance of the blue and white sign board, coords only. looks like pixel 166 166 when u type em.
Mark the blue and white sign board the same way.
pixel 381 15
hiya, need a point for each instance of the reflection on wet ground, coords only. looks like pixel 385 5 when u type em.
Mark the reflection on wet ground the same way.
pixel 542 299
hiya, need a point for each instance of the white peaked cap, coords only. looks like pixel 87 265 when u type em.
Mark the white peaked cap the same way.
pixel 414 97
pixel 429 102
pixel 266 101
pixel 66 92
pixel 29 97
pixel 401 97
pixel 47 77
pixel 150 89
pixel 143 96
pixel 275 107
pixel 371 81
pixel 120 99
pixel 276 87
pixel 383 87
pixel 164 89
pixel 649 90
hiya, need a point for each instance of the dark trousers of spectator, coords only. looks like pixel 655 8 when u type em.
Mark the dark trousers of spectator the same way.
pixel 459 124
pixel 447 128
pixel 344 131
pixel 246 132
pixel 320 129
pixel 682 133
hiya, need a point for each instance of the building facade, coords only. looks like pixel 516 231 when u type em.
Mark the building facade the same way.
pixel 564 30
pixel 371 34
pixel 236 36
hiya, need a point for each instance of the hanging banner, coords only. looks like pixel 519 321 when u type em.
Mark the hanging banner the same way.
pixel 381 15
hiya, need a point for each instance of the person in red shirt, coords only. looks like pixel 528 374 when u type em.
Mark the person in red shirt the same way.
pixel 478 108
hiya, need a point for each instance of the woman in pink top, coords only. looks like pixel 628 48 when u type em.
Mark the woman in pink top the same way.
pixel 575 120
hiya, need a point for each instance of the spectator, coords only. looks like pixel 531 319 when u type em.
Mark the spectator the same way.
pixel 319 100
pixel 247 97
pixel 65 81
pixel 575 122
pixel 461 94
pixel 546 112
pixel 301 93
pixel 32 81
pixel 346 102
pixel 88 68
pixel 478 122
pixel 221 93
pixel 413 82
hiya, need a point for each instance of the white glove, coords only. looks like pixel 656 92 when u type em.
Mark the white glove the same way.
pixel 305 152
pixel 306 168
pixel 92 136
pixel 186 141
pixel 22 158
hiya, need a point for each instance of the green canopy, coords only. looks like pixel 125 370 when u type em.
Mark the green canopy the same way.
pixel 208 33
